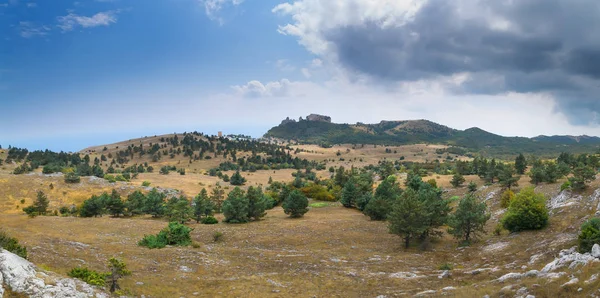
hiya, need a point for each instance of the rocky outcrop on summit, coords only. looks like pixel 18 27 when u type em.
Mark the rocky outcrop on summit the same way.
pixel 317 117
pixel 23 277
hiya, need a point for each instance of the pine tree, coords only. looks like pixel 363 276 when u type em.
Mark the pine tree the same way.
pixel 41 203
pixel 257 203
pixel 235 208
pixel 217 197
pixel 520 164
pixel 155 203
pixel 202 205
pixel 295 204
pixel 582 175
pixel 457 180
pixel 472 187
pixel 135 203
pixel 350 194
pixel 118 269
pixel 237 179
pixel 469 219
pixel 408 217
pixel 506 177
pixel 179 210
pixel 115 205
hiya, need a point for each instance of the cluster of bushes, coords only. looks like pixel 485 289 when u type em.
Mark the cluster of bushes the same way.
pixel 12 244
pixel 589 235
pixel 125 177
pixel 175 234
pixel 117 270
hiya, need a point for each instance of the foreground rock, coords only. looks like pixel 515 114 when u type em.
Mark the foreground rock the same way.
pixel 21 276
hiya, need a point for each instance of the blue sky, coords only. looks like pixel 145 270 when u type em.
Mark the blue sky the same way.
pixel 80 73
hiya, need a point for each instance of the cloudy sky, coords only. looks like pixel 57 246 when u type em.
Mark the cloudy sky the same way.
pixel 80 73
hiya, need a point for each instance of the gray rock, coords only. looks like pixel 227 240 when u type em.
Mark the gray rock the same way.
pixel 570 282
pixel 425 293
pixel 23 277
pixel 512 275
pixel 445 274
pixel 568 257
pixel 596 251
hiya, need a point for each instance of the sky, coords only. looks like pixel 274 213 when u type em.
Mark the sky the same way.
pixel 75 74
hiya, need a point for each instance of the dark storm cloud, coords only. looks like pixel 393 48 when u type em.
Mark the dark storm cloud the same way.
pixel 548 46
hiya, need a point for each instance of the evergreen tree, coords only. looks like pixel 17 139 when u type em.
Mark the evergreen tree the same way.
pixel 41 203
pixel 413 181
pixel 408 217
pixel 436 207
pixel 350 194
pixel 118 269
pixel 202 205
pixel 217 197
pixel 457 180
pixel 235 207
pixel 506 177
pixel 257 203
pixel 582 175
pixel 237 179
pixel 472 187
pixel 469 219
pixel 115 205
pixel 155 203
pixel 93 207
pixel 520 164
pixel 178 209
pixel 135 203
pixel 295 204
pixel 537 172
pixel 552 172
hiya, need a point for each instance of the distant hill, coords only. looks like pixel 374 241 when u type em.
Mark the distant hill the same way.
pixel 474 140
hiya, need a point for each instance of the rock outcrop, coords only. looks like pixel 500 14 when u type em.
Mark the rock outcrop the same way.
pixel 317 117
pixel 21 276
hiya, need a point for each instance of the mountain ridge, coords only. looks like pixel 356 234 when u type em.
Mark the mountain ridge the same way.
pixel 404 132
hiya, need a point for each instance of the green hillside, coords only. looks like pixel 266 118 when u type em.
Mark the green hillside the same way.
pixel 474 140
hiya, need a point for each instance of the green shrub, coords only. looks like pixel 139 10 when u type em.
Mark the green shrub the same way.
pixel 566 185
pixel 89 276
pixel 217 236
pixel 146 183
pixel 317 192
pixel 446 266
pixel 174 234
pixel 527 211
pixel 209 220
pixel 12 244
pixel 506 198
pixel 154 241
pixel 110 178
pixel 72 178
pixel 589 235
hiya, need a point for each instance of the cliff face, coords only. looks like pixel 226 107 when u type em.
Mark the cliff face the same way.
pixel 23 277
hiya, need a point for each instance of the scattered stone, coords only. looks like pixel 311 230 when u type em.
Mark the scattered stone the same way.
pixel 425 293
pixel 512 275
pixel 404 275
pixel 596 251
pixel 532 273
pixel 570 282
pixel 449 289
pixel 592 279
pixel 495 247
pixel 139 283
pixel 277 284
pixel 535 258
pixel 445 274
pixel 522 292
pixel 185 269
pixel 569 257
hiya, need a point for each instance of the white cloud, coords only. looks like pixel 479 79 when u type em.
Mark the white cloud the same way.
pixel 284 65
pixel 28 30
pixel 306 73
pixel 72 20
pixel 282 88
pixel 213 8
